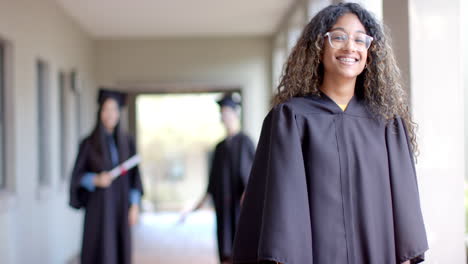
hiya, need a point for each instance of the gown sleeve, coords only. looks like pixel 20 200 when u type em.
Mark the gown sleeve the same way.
pixel 135 180
pixel 274 224
pixel 87 181
pixel 78 194
pixel 135 196
pixel 410 234
pixel 211 188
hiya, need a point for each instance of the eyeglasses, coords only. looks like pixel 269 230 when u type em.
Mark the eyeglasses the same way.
pixel 338 40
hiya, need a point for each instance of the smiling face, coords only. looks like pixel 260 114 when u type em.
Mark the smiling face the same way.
pixel 349 61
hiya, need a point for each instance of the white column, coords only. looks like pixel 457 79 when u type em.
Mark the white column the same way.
pixel 437 100
pixel 396 18
pixel 464 34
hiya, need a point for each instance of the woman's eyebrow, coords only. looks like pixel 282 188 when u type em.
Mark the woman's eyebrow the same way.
pixel 342 29
pixel 338 28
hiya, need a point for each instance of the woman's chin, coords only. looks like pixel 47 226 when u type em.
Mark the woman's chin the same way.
pixel 349 73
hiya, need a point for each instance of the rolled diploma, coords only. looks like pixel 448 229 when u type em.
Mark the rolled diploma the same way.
pixel 125 166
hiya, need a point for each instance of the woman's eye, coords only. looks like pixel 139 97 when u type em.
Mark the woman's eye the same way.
pixel 360 40
pixel 339 38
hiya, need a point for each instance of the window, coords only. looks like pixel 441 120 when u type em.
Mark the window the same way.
pixel 296 23
pixel 76 89
pixel 43 125
pixel 278 62
pixel 293 36
pixel 2 141
pixel 278 59
pixel 63 124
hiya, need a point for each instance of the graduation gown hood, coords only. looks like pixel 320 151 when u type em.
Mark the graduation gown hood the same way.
pixel 331 187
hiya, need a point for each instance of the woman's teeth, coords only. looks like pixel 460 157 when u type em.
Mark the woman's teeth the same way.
pixel 347 60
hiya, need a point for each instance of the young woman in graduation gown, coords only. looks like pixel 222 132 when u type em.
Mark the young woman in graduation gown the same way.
pixel 111 206
pixel 333 180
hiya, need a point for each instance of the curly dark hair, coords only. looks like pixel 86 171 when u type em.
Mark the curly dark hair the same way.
pixel 380 82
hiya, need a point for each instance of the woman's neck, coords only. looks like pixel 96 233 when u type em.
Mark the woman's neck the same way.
pixel 339 90
pixel 109 131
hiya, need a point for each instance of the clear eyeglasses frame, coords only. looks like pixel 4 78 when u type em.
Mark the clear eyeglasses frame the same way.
pixel 339 39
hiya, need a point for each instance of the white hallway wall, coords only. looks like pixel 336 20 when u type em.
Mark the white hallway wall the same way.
pixel 464 34
pixel 239 61
pixel 437 94
pixel 41 230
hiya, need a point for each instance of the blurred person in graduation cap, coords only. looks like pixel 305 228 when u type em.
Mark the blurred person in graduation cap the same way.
pixel 230 169
pixel 111 206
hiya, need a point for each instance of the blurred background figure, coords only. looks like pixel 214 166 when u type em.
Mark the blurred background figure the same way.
pixel 230 169
pixel 111 206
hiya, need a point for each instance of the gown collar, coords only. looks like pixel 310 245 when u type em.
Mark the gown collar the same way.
pixel 356 106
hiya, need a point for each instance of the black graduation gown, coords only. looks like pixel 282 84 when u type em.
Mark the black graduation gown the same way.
pixel 229 173
pixel 331 187
pixel 106 235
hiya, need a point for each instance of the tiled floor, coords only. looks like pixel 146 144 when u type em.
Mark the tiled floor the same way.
pixel 159 238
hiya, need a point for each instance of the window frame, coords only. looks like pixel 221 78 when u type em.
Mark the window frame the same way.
pixel 7 191
pixel 43 125
pixel 63 131
pixel 3 177
pixel 75 87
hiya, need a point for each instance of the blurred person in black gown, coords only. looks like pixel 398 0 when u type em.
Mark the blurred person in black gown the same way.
pixel 111 206
pixel 230 169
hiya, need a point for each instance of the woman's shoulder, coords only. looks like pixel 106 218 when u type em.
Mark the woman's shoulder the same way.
pixel 288 110
pixel 300 105
pixel 128 137
pixel 85 140
pixel 243 136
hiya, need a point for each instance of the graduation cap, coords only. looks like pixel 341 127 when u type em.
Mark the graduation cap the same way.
pixel 230 101
pixel 105 94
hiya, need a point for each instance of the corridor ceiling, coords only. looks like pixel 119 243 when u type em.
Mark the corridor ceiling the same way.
pixel 176 18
